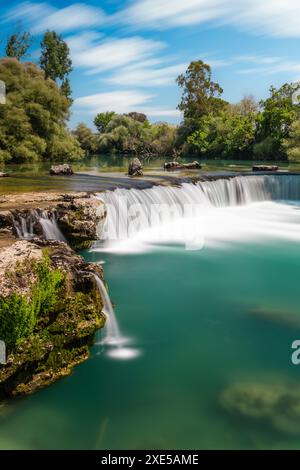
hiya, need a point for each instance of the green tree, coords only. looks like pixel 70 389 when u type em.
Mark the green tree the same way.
pixel 55 60
pixel 86 138
pixel 274 122
pixel 228 135
pixel 201 96
pixel 18 44
pixel 33 121
pixel 292 144
pixel 102 120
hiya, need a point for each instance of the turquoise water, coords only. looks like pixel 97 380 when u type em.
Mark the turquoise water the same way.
pixel 192 315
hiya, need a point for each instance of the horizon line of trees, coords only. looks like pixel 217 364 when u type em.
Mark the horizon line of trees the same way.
pixel 33 123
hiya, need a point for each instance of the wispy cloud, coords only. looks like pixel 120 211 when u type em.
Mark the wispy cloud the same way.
pixel 42 16
pixel 91 51
pixel 145 76
pixel 122 102
pixel 267 17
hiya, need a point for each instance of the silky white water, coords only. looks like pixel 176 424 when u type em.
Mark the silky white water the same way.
pixel 113 337
pixel 205 213
pixel 25 226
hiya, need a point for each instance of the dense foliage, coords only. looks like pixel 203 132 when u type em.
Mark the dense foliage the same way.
pixel 33 121
pixel 19 315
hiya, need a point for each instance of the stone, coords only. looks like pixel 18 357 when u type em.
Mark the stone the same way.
pixel 265 168
pixel 135 168
pixel 65 170
pixel 182 166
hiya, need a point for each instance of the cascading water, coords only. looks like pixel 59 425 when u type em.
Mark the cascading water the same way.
pixel 26 226
pixel 113 337
pixel 133 213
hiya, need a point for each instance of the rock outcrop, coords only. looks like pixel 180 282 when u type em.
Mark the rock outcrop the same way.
pixel 50 308
pixel 64 170
pixel 78 215
pixel 135 168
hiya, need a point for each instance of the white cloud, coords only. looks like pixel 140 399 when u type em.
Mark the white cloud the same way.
pixel 89 50
pixel 144 76
pixel 119 101
pixel 42 16
pixel 122 102
pixel 267 17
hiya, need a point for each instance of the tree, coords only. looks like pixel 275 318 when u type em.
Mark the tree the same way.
pixel 102 120
pixel 33 121
pixel 86 138
pixel 228 135
pixel 246 107
pixel 140 117
pixel 55 60
pixel 18 44
pixel 274 122
pixel 292 144
pixel 201 95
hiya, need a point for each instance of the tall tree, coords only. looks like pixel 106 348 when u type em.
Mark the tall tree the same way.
pixel 201 95
pixel 102 120
pixel 18 44
pixel 55 60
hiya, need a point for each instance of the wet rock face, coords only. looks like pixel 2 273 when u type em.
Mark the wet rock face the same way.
pixel 135 168
pixel 65 170
pixel 80 220
pixel 63 329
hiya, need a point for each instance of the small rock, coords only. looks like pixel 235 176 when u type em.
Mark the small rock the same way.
pixel 265 168
pixel 3 175
pixel 64 169
pixel 182 166
pixel 135 168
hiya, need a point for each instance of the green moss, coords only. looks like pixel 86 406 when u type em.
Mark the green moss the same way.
pixel 18 314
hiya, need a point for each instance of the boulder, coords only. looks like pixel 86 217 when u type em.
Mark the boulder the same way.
pixel 3 175
pixel 182 166
pixel 64 169
pixel 135 168
pixel 265 168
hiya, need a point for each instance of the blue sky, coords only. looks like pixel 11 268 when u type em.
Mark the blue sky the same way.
pixel 127 54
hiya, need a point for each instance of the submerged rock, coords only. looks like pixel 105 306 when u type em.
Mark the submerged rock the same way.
pixel 277 404
pixel 265 168
pixel 64 169
pixel 50 308
pixel 182 166
pixel 135 168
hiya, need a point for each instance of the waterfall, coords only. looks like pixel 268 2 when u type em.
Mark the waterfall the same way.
pixel 132 212
pixel 27 226
pixel 113 337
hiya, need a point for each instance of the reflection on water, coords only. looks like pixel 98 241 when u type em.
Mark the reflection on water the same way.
pixel 35 176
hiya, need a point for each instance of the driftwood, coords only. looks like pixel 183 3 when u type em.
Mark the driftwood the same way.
pixel 182 166
pixel 265 168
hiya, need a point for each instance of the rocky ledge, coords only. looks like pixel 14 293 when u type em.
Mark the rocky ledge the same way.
pixel 78 215
pixel 50 309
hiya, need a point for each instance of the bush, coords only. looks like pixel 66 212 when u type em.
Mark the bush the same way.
pixel 19 315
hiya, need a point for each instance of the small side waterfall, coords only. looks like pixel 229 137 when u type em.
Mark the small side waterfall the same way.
pixel 113 338
pixel 38 222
